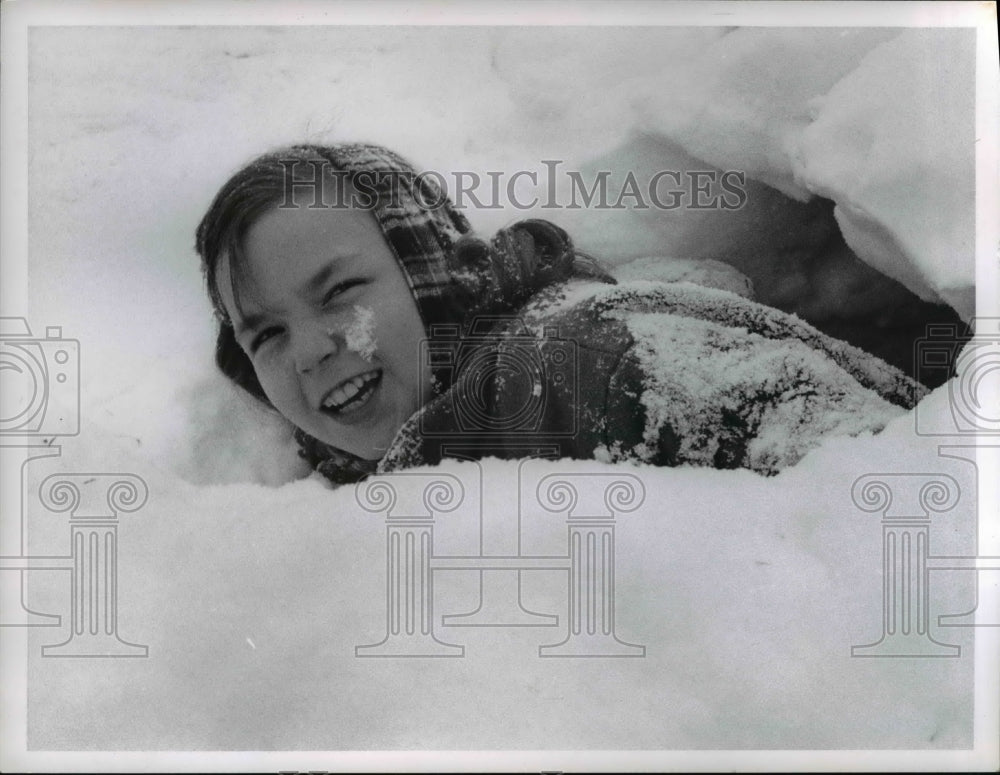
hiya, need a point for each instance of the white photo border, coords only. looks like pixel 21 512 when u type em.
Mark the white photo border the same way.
pixel 20 17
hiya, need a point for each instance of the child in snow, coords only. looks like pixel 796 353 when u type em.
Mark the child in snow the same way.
pixel 367 313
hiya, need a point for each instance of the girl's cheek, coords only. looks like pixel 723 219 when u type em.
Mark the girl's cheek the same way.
pixel 266 377
pixel 273 372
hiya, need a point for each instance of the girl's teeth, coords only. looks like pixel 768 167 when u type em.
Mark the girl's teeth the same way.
pixel 342 394
pixel 347 391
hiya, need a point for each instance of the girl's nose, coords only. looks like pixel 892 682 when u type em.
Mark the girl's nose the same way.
pixel 313 345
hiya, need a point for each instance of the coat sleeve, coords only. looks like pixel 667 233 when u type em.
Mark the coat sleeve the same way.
pixel 706 394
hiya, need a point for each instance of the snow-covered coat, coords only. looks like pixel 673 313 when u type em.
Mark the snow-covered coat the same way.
pixel 662 373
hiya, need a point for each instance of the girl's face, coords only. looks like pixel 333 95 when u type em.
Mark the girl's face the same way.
pixel 327 318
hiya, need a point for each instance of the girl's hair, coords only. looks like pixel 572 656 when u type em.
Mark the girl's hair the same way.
pixel 452 273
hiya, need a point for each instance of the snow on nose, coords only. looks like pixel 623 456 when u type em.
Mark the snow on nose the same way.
pixel 360 334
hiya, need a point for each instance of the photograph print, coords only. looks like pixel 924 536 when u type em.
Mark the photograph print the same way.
pixel 547 387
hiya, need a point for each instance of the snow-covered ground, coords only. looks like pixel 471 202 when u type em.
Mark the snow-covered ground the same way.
pixel 747 592
pixel 252 586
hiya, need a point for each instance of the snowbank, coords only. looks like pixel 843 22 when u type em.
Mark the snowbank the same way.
pixel 893 145
pixel 878 120
pixel 747 592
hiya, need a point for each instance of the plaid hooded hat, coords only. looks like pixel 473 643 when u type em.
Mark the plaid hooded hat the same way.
pixel 451 273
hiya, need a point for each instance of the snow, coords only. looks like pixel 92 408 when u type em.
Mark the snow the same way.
pixel 360 334
pixel 748 593
pixel 743 100
pixel 862 152
pixel 862 117
pixel 693 367
pixel 252 583
pixel 708 273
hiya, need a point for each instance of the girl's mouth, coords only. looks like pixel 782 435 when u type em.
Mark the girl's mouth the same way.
pixel 351 394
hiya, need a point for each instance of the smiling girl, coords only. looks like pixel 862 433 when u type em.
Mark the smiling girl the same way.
pixel 325 312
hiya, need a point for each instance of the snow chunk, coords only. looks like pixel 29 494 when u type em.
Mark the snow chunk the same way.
pixel 556 299
pixel 893 145
pixel 878 120
pixel 360 335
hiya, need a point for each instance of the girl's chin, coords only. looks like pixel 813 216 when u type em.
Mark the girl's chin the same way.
pixel 367 448
pixel 366 441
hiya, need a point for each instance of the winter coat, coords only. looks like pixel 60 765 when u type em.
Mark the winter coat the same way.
pixel 660 373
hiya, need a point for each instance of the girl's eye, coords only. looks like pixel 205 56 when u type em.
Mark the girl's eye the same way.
pixel 262 337
pixel 341 288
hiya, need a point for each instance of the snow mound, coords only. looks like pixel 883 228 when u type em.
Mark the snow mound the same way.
pixel 878 120
pixel 747 593
pixel 893 145
pixel 742 101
